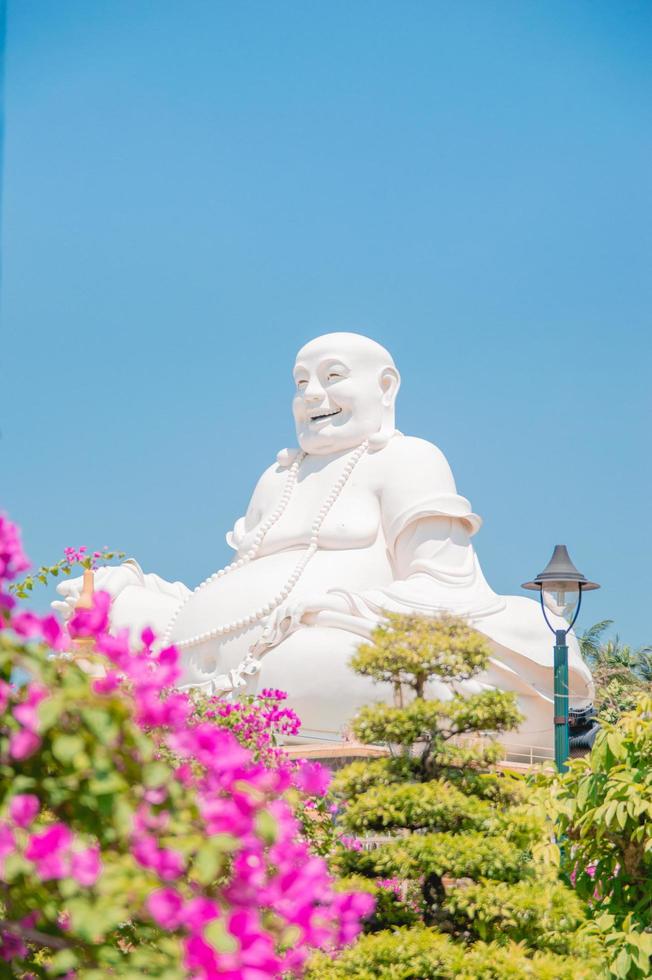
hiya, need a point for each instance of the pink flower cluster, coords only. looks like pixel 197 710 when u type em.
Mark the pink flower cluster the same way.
pixel 275 887
pixel 257 723
pixel 75 556
pixel 54 851
pixel 12 557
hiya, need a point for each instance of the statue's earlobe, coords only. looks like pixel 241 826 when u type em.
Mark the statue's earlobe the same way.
pixel 390 382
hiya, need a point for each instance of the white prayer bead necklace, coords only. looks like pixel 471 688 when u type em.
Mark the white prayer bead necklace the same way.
pixel 313 542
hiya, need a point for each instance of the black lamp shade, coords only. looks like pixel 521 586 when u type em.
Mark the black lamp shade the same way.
pixel 561 571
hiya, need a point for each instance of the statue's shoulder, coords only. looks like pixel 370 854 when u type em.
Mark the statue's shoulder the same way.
pixel 407 449
pixel 409 460
pixel 274 475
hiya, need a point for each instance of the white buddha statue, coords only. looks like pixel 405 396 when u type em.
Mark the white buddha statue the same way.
pixel 358 520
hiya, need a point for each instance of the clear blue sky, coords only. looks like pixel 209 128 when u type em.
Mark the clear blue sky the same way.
pixel 193 189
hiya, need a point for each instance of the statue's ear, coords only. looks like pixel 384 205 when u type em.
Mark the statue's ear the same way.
pixel 390 382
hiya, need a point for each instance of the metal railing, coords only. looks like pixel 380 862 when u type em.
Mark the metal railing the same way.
pixel 518 753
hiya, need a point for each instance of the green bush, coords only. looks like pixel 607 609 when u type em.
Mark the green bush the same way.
pixel 468 847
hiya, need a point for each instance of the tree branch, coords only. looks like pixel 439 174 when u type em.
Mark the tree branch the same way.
pixel 34 935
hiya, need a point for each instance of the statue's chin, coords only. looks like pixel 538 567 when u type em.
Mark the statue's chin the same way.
pixel 330 440
pixel 325 438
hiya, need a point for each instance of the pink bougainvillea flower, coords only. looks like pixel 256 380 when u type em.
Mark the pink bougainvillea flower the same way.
pixel 12 946
pixel 90 622
pixel 7 844
pixel 27 711
pixel 74 555
pixel 145 850
pixel 115 647
pixel 201 959
pixel 273 693
pixel 6 601
pixel 23 808
pixel 23 744
pixel 166 908
pixel 184 774
pixel 13 560
pixel 54 838
pixel 148 636
pixel 52 633
pixel 26 624
pixel 49 852
pixel 5 694
pixel 349 909
pixel 312 779
pixel 29 625
pixel 169 864
pixel 85 866
pixel 198 912
pixel 107 684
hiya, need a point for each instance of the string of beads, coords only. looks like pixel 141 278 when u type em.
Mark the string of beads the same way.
pixel 274 517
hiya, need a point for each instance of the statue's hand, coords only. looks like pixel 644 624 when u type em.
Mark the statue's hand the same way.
pixel 110 578
pixel 294 614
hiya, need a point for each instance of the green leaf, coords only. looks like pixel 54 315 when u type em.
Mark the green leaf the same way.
pixel 266 827
pixel 49 711
pixel 101 724
pixel 106 783
pixel 66 747
pixel 15 865
pixel 621 815
pixel 620 966
pixel 207 864
pixel 68 887
pixel 216 934
pixel 156 774
pixel 615 743
pixel 62 962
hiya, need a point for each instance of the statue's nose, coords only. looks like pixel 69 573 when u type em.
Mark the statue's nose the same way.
pixel 313 392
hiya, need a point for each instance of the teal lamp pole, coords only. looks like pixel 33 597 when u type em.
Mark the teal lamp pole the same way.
pixel 560 587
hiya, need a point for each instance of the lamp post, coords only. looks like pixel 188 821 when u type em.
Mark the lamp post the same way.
pixel 560 587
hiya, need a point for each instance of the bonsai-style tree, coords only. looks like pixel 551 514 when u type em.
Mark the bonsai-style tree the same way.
pixel 464 848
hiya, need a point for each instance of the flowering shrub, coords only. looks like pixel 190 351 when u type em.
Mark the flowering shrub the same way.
pixel 72 557
pixel 135 835
pixel 258 722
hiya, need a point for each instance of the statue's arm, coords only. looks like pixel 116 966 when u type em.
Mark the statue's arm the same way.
pixel 154 583
pixel 428 528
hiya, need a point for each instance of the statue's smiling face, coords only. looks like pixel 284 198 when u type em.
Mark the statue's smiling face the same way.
pixel 339 393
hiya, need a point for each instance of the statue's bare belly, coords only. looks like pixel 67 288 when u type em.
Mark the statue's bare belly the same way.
pixel 243 591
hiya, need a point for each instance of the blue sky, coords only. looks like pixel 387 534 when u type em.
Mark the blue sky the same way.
pixel 193 189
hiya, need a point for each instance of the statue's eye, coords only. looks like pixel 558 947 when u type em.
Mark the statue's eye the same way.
pixel 333 375
pixel 302 383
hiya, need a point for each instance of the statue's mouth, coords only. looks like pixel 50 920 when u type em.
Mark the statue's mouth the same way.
pixel 324 415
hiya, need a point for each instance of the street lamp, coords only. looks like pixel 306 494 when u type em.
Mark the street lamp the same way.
pixel 560 587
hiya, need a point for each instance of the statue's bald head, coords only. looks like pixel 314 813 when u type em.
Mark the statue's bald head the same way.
pixel 346 389
pixel 354 344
